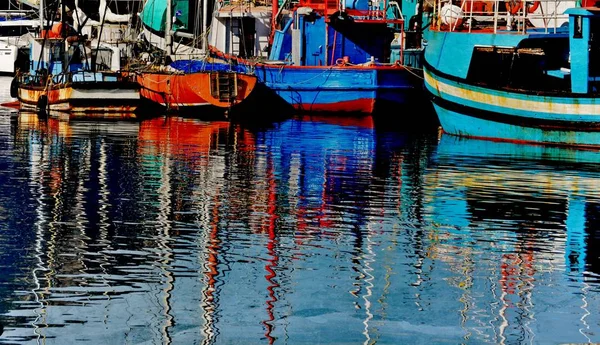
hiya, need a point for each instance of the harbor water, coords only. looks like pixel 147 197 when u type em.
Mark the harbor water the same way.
pixel 309 230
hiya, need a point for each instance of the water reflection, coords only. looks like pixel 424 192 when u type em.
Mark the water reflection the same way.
pixel 311 230
pixel 526 213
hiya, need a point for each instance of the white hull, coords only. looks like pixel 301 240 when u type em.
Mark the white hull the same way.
pixel 108 94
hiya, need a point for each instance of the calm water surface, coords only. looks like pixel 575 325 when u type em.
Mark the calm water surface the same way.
pixel 307 231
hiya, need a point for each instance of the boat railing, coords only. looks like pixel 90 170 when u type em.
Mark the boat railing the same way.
pixel 17 14
pixel 498 15
pixel 375 13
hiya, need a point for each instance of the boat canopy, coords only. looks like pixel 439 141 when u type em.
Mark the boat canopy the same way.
pixel 154 15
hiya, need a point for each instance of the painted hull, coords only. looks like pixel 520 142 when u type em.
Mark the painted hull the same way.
pixel 109 100
pixel 478 112
pixel 340 89
pixel 198 89
pixel 503 113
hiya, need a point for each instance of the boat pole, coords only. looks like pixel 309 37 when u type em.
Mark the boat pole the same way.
pixel 274 14
pixel 168 25
pixel 204 26
pixel 41 15
pixel 419 13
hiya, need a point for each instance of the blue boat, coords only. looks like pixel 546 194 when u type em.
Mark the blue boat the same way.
pixel 492 74
pixel 345 57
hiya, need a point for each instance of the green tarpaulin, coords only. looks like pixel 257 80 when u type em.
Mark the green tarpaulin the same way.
pixel 154 15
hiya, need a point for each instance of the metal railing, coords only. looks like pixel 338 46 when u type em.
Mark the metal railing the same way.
pixel 500 15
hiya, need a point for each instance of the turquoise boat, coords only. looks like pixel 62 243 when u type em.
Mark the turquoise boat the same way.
pixel 491 73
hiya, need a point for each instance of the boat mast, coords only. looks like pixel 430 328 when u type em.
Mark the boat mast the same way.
pixel 168 25
pixel 41 15
pixel 204 23
pixel 274 15
pixel 419 14
pixel 64 32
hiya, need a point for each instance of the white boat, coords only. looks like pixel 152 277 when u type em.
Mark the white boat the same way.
pixel 16 29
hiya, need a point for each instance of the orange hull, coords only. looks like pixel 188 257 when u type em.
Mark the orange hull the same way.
pixel 176 91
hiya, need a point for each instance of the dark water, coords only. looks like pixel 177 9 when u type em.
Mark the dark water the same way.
pixel 307 231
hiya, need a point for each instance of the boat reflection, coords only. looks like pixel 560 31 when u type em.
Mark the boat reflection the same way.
pixel 528 211
pixel 31 121
pixel 176 230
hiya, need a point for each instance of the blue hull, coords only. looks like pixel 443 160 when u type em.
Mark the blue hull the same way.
pixel 349 89
pixel 479 112
pixel 539 86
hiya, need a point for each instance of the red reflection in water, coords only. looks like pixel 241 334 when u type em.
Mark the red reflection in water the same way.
pixel 516 269
pixel 273 260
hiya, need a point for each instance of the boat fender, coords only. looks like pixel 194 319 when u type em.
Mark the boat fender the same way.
pixel 42 104
pixel 451 15
pixel 14 87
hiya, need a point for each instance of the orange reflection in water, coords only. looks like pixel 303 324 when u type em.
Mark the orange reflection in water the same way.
pixel 48 126
pixel 181 136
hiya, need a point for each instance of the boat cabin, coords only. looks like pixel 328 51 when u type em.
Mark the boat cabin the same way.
pixel 71 61
pixel 584 41
pixel 328 32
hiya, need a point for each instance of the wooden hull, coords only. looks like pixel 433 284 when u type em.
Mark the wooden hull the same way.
pixel 197 89
pixel 82 100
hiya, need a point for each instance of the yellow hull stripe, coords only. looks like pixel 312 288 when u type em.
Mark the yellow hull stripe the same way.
pixel 550 105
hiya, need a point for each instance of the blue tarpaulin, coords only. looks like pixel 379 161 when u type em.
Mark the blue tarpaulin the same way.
pixel 192 66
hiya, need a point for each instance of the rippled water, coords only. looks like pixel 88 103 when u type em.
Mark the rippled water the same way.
pixel 307 231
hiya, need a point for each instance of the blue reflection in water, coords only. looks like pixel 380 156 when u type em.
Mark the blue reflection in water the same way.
pixel 313 230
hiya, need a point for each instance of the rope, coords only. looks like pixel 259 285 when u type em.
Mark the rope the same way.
pixel 410 69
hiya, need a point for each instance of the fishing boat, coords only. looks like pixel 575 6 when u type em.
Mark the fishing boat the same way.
pixel 196 87
pixel 69 77
pixel 183 77
pixel 345 56
pixel 492 74
pixel 16 28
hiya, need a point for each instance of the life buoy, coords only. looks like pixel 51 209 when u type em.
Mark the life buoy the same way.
pixel 532 7
pixel 514 6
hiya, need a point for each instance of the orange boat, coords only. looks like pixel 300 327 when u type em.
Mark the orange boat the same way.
pixel 186 89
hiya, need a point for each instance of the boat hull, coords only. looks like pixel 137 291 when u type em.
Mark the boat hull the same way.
pixel 197 89
pixel 82 99
pixel 340 89
pixel 474 111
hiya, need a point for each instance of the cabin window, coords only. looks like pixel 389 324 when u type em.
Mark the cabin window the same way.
pixel 578 27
